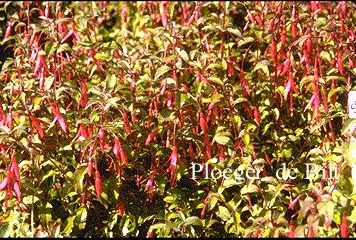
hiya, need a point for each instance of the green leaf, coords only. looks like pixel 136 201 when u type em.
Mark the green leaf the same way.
pixel 5 230
pixel 81 217
pixel 79 178
pixel 48 82
pixel 235 32
pixel 245 40
pixel 222 139
pixel 111 81
pixel 326 207
pixel 166 114
pixel 70 224
pixel 102 56
pixel 50 48
pixel 223 213
pixel 348 124
pixel 215 80
pixel 183 54
pixel 161 70
pixel 50 174
pixel 249 189
pixel 169 199
pixel 262 65
pixel 192 221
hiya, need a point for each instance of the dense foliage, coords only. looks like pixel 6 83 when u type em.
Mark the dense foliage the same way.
pixel 107 107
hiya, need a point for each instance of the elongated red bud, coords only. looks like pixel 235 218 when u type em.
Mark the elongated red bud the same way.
pixel 163 8
pixel 90 167
pixel 293 202
pixel 202 122
pixel 98 183
pixel 17 191
pixel 250 16
pixel 124 12
pixel 15 167
pixel 119 151
pixel 308 43
pixel 310 232
pixel 126 122
pixel 151 137
pixel 274 51
pixel 101 135
pixel 256 115
pixel 8 31
pixel 294 22
pixel 327 221
pixel 221 152
pixel 340 65
pixel 344 226
pixel 244 83
pixel 291 233
pixel 120 208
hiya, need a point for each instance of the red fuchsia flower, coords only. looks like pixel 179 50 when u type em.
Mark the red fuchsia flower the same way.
pixel 59 117
pixel 12 181
pixel 173 166
pixel 119 151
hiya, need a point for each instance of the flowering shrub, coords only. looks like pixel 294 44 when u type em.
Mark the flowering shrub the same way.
pixel 106 107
